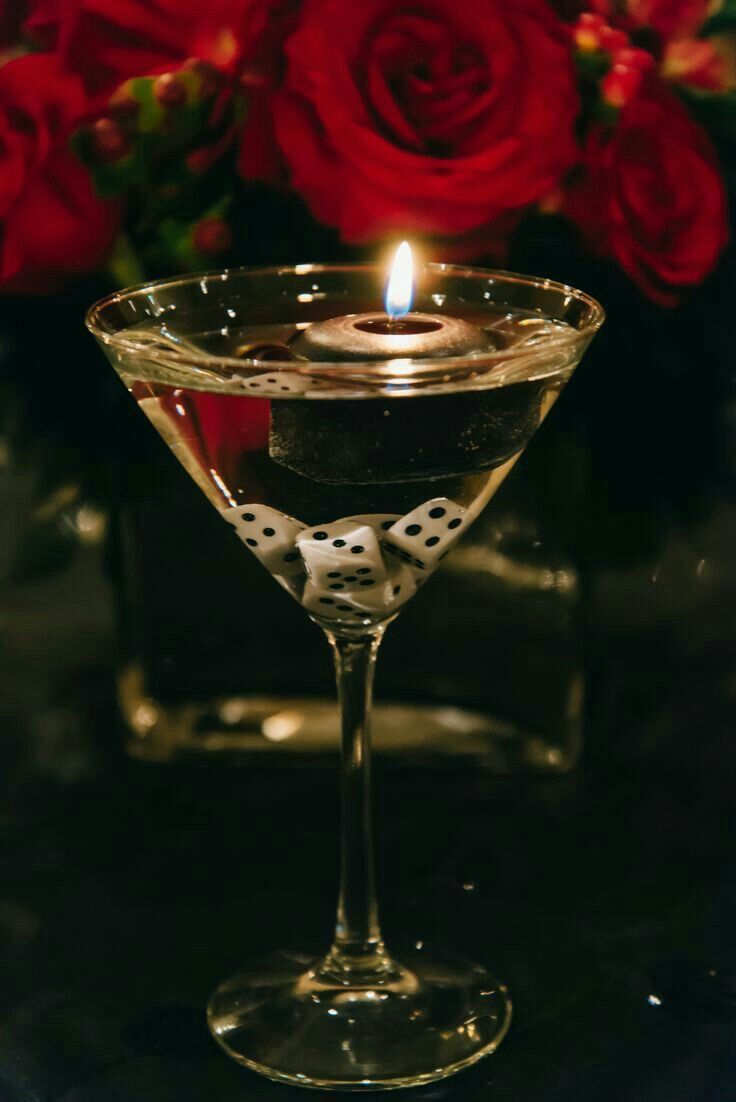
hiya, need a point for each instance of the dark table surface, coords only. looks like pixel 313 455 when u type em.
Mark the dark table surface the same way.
pixel 606 898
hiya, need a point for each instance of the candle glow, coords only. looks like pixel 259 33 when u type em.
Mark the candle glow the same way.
pixel 400 286
pixel 397 334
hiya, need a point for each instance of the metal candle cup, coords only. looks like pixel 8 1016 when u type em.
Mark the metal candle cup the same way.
pixel 395 335
pixel 364 337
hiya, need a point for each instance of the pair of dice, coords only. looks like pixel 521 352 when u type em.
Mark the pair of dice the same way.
pixel 347 574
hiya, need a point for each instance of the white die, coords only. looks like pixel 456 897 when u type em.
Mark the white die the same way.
pixel 387 596
pixel 379 522
pixel 341 555
pixel 330 606
pixel 276 384
pixel 424 536
pixel 362 601
pixel 270 535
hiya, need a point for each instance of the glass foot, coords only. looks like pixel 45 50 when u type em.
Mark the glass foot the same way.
pixel 303 1022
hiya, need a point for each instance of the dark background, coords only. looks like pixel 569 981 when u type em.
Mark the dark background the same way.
pixel 606 898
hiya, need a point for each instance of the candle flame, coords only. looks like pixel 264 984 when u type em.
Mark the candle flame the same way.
pixel 400 286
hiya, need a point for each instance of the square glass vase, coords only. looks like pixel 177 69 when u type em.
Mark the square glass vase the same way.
pixel 213 662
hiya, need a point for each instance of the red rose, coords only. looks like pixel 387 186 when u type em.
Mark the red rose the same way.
pixel 212 434
pixel 41 21
pixel 653 196
pixel 215 433
pixel 52 225
pixel 438 117
pixel 670 18
pixel 109 41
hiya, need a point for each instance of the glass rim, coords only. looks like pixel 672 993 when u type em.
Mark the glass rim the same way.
pixel 203 359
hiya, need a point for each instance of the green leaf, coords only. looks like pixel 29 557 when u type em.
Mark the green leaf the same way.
pixel 714 111
pixel 193 84
pixel 722 20
pixel 114 179
pixel 605 113
pixel 592 64
pixel 125 264
pixel 169 240
pixel 150 112
pixel 240 108
pixel 176 239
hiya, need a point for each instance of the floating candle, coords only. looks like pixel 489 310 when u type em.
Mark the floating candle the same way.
pixel 396 334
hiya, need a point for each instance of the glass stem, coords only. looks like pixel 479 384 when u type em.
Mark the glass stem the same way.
pixel 358 946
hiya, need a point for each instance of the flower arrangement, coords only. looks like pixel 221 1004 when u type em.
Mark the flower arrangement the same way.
pixel 131 130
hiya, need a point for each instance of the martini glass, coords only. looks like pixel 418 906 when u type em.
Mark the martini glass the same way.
pixel 350 481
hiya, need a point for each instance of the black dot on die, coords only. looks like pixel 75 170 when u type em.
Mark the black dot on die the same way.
pixel 291 557
pixel 397 590
pixel 284 388
pixel 352 578
pixel 337 585
pixel 248 516
pixel 338 543
pixel 254 386
pixel 363 570
pixel 252 543
pixel 271 380
pixel 368 581
pixel 455 523
pixel 334 574
pixel 357 550
pixel 345 608
pixel 269 531
pixel 432 541
pixel 413 529
pixel 436 513
pixel 320 535
pixel 387 524
pixel 326 601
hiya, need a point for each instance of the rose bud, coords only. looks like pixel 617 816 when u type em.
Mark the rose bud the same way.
pixel 612 39
pixel 212 235
pixel 586 32
pixel 169 90
pixel 208 76
pixel 632 57
pixel 109 142
pixel 620 85
pixel 123 105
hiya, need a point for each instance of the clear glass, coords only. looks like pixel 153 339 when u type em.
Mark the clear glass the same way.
pixel 405 452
